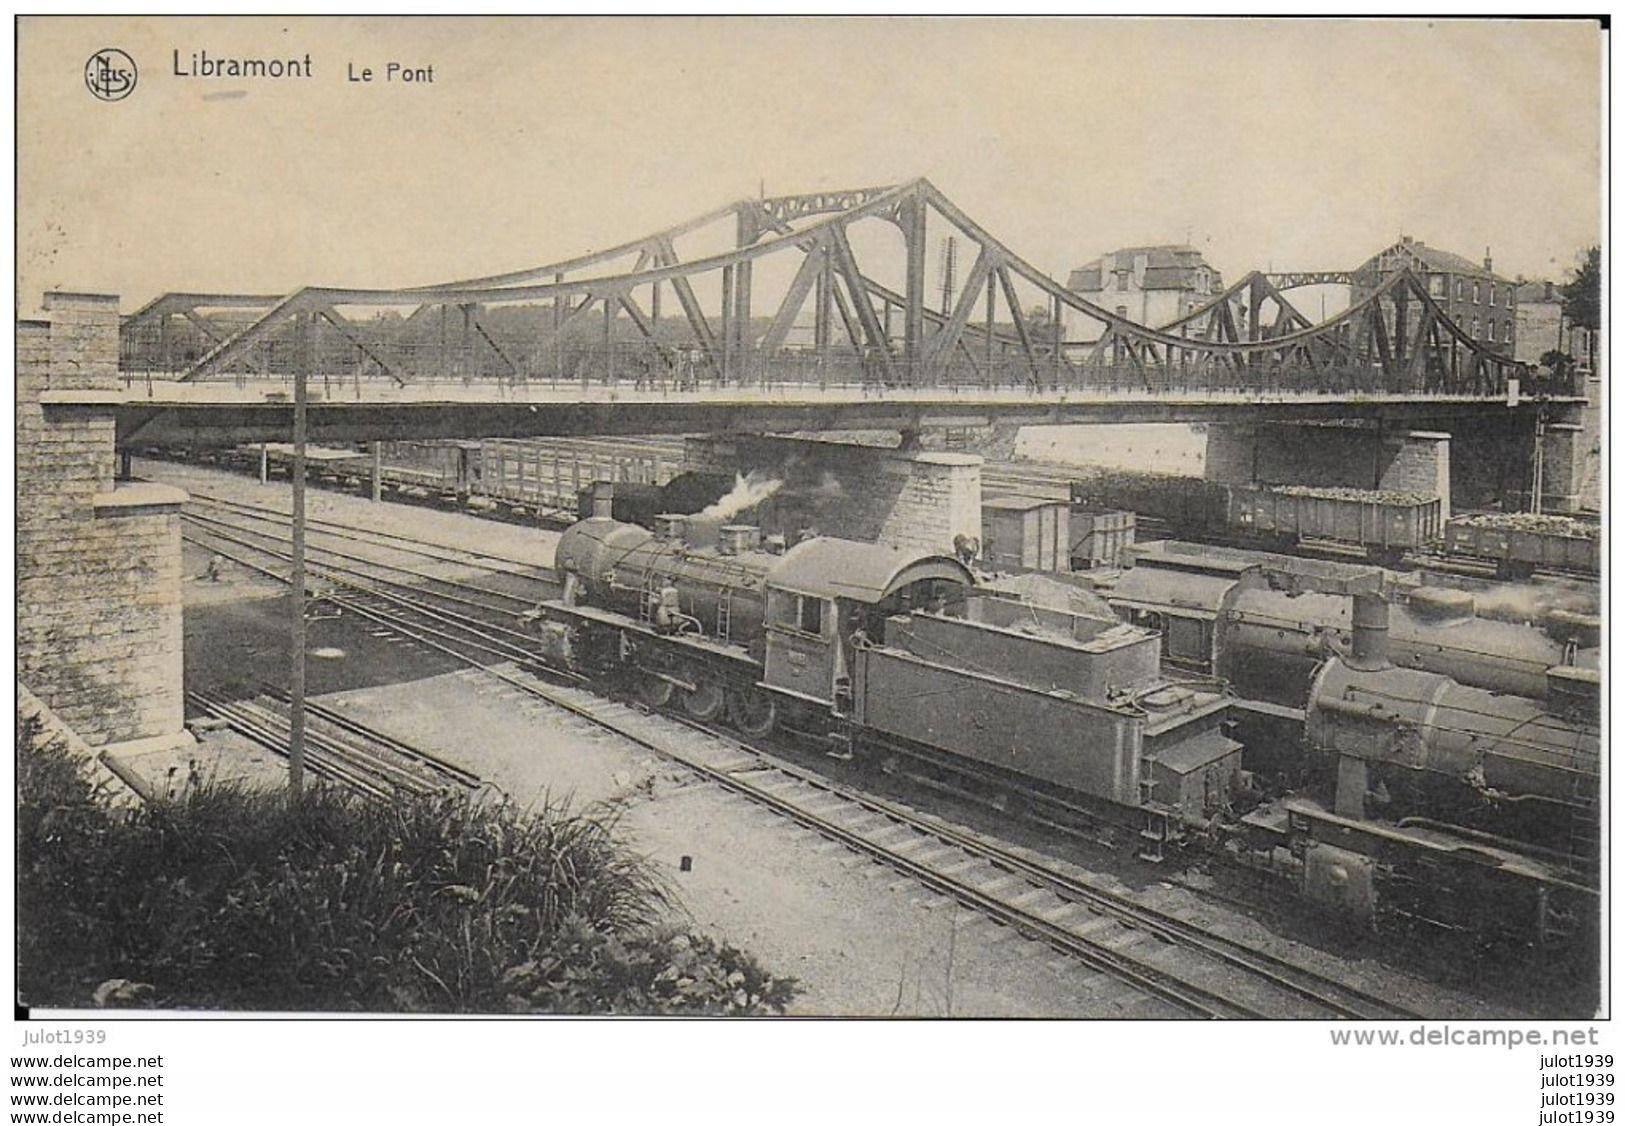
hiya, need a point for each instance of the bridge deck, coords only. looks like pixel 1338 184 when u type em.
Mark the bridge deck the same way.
pixel 223 413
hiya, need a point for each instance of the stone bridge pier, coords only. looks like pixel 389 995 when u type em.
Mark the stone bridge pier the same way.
pixel 1333 455
pixel 98 559
pixel 1485 463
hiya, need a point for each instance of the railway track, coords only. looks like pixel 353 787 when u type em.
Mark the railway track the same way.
pixel 1045 480
pixel 407 545
pixel 1178 967
pixel 338 564
pixel 341 749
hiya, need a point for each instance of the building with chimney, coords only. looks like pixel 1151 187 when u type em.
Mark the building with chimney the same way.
pixel 1483 304
pixel 1150 285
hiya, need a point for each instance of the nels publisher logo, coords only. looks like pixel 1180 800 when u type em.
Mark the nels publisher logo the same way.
pixel 110 74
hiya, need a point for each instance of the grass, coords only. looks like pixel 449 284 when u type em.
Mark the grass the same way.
pixel 225 898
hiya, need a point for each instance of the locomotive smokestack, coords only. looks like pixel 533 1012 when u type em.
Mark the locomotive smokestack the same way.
pixel 669 525
pixel 603 499
pixel 1370 641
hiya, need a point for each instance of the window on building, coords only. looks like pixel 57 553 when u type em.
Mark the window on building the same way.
pixel 1478 295
pixel 1492 295
pixel 1461 289
pixel 1436 285
pixel 1475 327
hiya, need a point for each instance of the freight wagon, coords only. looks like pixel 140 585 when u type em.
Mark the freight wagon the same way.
pixel 1520 543
pixel 1387 524
pixel 1100 537
pixel 1022 533
pixel 1190 505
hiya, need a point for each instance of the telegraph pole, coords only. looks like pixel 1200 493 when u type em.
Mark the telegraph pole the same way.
pixel 296 677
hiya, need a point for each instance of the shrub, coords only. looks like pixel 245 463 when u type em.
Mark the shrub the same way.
pixel 227 898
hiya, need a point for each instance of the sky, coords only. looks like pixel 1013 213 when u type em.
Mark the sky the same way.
pixel 1268 144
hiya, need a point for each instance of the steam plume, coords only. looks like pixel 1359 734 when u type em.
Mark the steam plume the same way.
pixel 749 491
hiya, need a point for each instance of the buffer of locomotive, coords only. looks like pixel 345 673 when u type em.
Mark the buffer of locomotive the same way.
pixel 880 646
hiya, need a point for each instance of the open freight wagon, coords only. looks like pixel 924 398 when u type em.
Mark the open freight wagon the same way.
pixel 1386 523
pixel 1520 543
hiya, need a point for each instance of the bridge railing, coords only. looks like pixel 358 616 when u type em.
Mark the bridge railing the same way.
pixel 341 369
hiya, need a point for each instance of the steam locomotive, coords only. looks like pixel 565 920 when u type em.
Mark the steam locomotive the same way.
pixel 1447 804
pixel 1256 621
pixel 869 645
pixel 1400 792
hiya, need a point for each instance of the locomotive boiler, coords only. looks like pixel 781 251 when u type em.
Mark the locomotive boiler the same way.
pixel 1228 615
pixel 1421 743
pixel 719 593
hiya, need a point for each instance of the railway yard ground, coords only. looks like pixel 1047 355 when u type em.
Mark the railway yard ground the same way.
pixel 862 938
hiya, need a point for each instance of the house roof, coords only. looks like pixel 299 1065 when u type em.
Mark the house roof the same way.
pixel 1536 292
pixel 1086 278
pixel 1432 259
pixel 1170 266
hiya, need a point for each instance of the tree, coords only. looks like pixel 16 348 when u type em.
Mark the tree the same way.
pixel 1558 363
pixel 1582 299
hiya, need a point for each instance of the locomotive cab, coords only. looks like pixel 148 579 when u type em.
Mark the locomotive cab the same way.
pixel 829 595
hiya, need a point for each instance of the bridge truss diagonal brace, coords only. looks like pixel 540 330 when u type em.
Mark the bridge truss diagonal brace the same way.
pixel 501 352
pixel 203 325
pixel 333 317
pixel 1020 318
pixel 858 289
pixel 1424 347
pixel 795 297
pixel 644 324
pixel 229 349
pixel 944 339
pixel 666 255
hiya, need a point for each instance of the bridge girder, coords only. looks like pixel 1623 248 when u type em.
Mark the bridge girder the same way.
pixel 1394 336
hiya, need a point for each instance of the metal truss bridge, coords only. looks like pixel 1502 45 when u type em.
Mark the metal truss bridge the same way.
pixel 779 313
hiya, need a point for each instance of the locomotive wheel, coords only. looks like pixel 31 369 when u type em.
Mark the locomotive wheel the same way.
pixel 654 691
pixel 752 712
pixel 706 702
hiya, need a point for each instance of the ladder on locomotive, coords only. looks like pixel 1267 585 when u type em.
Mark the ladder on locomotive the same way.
pixel 1585 824
pixel 649 597
pixel 1158 829
pixel 1557 924
pixel 725 613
